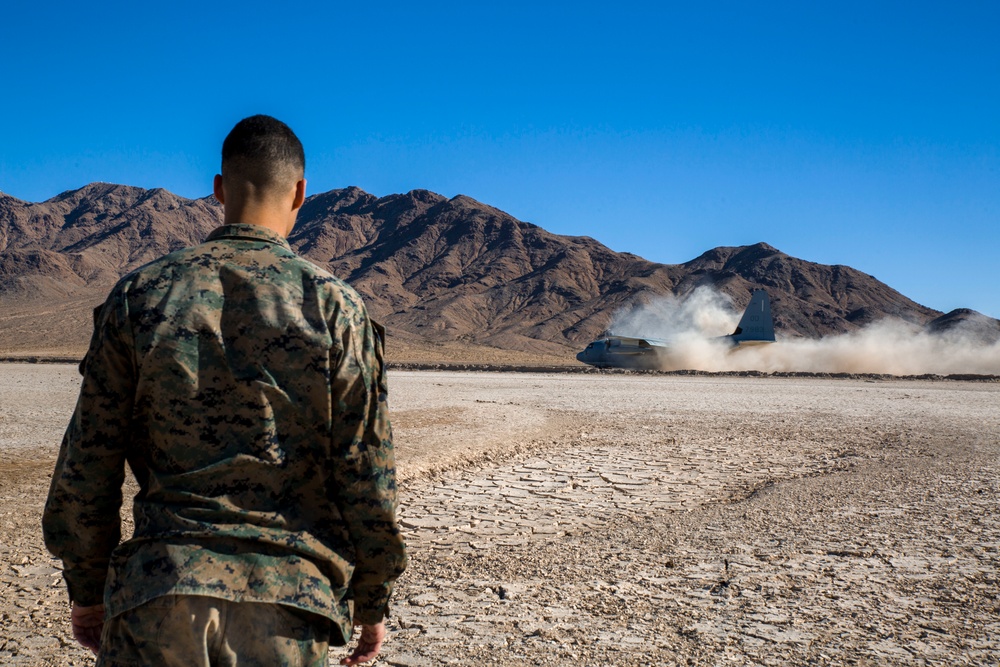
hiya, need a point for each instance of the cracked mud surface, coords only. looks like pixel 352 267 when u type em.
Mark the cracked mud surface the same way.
pixel 579 520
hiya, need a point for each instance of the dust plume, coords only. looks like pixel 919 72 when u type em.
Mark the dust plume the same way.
pixel 888 346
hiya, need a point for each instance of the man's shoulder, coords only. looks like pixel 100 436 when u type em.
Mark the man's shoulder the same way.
pixel 162 269
pixel 319 273
pixel 321 277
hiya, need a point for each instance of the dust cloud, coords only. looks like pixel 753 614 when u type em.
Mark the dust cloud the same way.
pixel 894 347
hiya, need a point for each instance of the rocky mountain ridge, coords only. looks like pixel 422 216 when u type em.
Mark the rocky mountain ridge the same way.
pixel 432 268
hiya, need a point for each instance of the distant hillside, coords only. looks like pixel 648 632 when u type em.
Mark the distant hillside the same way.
pixel 88 238
pixel 807 299
pixel 444 271
pixel 974 326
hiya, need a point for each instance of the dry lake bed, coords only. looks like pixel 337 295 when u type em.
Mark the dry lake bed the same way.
pixel 559 519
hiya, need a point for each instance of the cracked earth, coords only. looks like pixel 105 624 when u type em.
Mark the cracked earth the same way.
pixel 633 520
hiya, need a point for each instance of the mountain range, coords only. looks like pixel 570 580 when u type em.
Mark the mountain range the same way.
pixel 438 272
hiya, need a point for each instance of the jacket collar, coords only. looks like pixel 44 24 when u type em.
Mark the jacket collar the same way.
pixel 248 232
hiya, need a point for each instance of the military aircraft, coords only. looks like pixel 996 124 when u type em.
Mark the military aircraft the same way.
pixel 755 327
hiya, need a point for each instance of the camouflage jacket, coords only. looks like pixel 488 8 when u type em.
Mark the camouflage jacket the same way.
pixel 245 388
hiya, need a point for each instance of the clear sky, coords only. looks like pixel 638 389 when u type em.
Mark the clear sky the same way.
pixel 857 133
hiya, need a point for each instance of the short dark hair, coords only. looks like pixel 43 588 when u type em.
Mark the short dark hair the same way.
pixel 264 151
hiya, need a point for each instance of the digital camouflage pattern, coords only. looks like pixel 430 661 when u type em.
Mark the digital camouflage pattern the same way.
pixel 245 388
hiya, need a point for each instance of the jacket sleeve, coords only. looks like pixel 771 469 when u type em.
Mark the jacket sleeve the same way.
pixel 363 466
pixel 81 522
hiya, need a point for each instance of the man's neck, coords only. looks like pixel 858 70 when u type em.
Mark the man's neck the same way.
pixel 277 223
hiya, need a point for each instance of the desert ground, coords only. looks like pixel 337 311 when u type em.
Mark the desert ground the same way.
pixel 629 519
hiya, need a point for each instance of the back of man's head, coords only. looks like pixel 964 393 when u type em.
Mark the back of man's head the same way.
pixel 263 153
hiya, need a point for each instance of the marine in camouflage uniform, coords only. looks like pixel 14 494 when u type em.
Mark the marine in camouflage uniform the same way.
pixel 245 388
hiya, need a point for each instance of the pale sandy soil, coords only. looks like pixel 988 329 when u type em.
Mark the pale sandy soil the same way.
pixel 633 520
pixel 63 331
pixel 61 328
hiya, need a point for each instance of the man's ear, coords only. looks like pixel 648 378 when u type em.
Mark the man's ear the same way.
pixel 300 194
pixel 217 189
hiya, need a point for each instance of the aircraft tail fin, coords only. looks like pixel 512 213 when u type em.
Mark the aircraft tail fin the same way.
pixel 756 325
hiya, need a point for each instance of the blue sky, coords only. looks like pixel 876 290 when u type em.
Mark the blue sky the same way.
pixel 865 134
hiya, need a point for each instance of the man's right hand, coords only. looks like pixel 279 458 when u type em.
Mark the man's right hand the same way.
pixel 369 644
pixel 87 625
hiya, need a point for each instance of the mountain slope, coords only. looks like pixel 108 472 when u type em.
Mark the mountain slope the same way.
pixel 458 269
